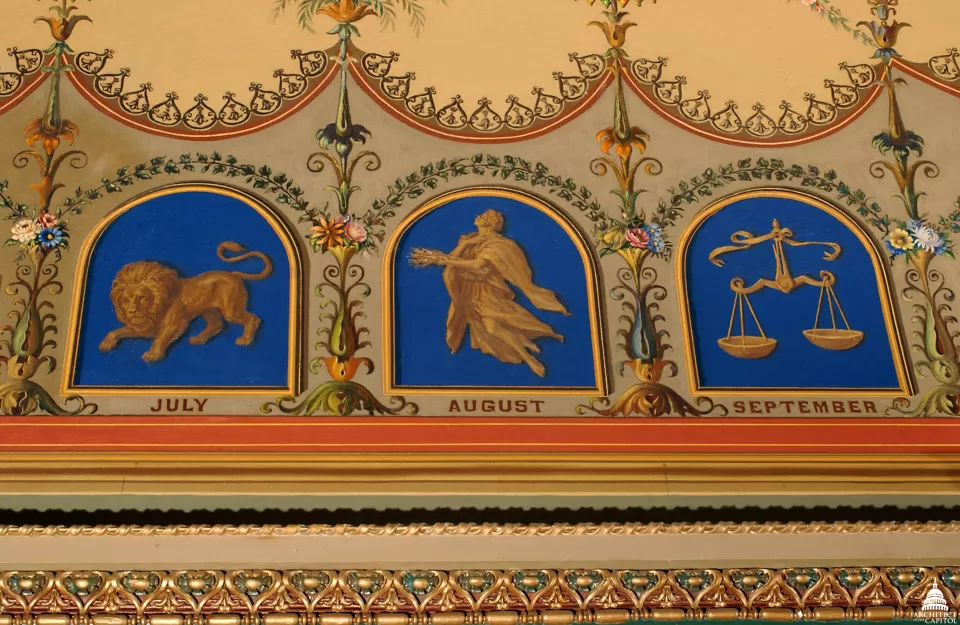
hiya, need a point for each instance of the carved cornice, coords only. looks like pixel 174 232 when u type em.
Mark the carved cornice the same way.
pixel 25 76
pixel 138 107
pixel 488 529
pixel 522 118
pixel 418 597
pixel 728 123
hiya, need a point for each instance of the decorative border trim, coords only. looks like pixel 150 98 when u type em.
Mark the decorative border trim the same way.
pixel 412 597
pixel 17 84
pixel 939 72
pixel 576 93
pixel 183 472
pixel 695 114
pixel 107 92
pixel 491 529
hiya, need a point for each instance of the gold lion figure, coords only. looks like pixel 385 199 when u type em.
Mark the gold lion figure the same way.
pixel 153 302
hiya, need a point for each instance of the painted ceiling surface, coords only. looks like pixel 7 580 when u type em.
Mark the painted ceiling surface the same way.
pixel 536 215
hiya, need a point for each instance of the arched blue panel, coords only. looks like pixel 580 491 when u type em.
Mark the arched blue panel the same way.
pixel 418 300
pixel 181 227
pixel 737 226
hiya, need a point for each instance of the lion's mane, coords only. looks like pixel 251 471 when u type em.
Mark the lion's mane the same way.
pixel 162 282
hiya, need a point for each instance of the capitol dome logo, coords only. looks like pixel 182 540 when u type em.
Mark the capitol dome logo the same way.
pixel 935 608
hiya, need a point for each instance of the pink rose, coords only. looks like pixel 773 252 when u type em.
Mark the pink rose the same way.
pixel 47 220
pixel 636 237
pixel 356 231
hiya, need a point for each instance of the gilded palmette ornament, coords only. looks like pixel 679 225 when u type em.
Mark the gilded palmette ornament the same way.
pixel 447 597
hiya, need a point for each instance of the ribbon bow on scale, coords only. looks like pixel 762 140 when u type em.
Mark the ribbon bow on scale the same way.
pixel 751 347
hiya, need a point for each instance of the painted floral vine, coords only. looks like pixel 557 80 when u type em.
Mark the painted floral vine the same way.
pixel 41 233
pixel 832 14
pixel 918 239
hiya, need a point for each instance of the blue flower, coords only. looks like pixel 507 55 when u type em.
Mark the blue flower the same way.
pixel 656 246
pixel 654 232
pixel 893 250
pixel 50 238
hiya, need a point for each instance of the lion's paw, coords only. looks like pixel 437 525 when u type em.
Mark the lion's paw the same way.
pixel 108 345
pixel 152 356
pixel 243 341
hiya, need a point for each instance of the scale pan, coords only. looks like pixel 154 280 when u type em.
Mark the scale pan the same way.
pixel 750 347
pixel 836 340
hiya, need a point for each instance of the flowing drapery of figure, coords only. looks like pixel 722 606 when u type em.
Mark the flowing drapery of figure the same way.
pixel 482 300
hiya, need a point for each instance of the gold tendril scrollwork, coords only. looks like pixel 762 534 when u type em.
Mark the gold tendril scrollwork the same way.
pixel 929 284
pixel 40 234
pixel 636 239
pixel 344 236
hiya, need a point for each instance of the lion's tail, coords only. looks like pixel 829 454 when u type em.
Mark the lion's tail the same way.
pixel 236 248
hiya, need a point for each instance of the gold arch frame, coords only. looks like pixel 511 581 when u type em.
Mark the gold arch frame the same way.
pixel 891 321
pixel 595 304
pixel 295 257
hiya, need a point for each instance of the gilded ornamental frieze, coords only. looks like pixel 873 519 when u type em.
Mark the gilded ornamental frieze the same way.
pixel 552 597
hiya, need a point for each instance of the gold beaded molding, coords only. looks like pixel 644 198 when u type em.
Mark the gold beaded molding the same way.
pixel 490 597
pixel 486 529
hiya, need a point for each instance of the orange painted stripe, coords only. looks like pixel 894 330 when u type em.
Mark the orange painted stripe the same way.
pixel 494 434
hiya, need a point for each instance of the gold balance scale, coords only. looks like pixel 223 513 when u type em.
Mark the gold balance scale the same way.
pixel 753 347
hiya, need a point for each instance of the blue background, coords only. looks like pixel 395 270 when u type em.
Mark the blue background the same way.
pixel 421 355
pixel 182 231
pixel 795 362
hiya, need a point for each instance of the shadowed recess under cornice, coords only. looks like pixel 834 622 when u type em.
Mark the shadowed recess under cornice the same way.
pixel 881 518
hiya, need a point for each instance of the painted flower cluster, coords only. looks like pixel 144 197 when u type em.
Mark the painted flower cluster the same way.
pixel 46 233
pixel 917 235
pixel 814 4
pixel 342 231
pixel 634 233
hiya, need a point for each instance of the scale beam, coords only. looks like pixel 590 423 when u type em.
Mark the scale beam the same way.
pixel 752 346
pixel 782 280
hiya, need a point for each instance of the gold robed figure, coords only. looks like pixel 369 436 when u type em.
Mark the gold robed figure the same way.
pixel 478 274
